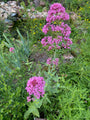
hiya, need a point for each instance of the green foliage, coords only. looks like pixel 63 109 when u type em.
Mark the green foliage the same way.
pixel 52 81
pixel 70 104
pixel 2 29
pixel 12 101
pixel 21 51
pixel 33 108
pixel 33 26
pixel 84 11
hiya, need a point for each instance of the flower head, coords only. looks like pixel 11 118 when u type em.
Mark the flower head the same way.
pixel 49 61
pixel 11 49
pixel 54 62
pixel 57 12
pixel 35 87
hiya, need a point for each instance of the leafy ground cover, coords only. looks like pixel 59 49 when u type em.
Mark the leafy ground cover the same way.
pixel 67 85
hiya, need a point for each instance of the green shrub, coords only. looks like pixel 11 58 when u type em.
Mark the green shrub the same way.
pixel 13 95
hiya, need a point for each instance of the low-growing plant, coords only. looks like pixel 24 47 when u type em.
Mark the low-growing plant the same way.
pixel 12 98
pixel 19 51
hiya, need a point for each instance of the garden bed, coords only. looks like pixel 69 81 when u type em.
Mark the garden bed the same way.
pixel 44 65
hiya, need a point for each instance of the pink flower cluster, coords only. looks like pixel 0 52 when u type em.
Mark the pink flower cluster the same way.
pixel 50 61
pixel 52 42
pixel 11 49
pixel 63 28
pixel 46 28
pixel 35 88
pixel 57 12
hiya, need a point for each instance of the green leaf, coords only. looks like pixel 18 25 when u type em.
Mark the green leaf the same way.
pixel 35 112
pixel 32 109
pixel 20 42
pixel 9 43
pixel 37 103
pixel 22 39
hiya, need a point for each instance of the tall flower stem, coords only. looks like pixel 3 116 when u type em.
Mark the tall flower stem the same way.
pixel 55 54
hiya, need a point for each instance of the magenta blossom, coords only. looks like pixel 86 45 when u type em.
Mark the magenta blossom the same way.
pixel 55 62
pixel 50 61
pixel 57 12
pixel 35 87
pixel 11 49
pixel 51 42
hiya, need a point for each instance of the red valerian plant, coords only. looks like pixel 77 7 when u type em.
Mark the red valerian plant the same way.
pixel 57 38
pixel 61 39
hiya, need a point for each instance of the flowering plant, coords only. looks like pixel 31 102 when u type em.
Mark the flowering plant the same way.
pixel 39 91
pixel 59 30
pixel 37 88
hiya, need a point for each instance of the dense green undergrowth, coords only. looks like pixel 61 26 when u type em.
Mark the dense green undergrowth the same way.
pixel 72 100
